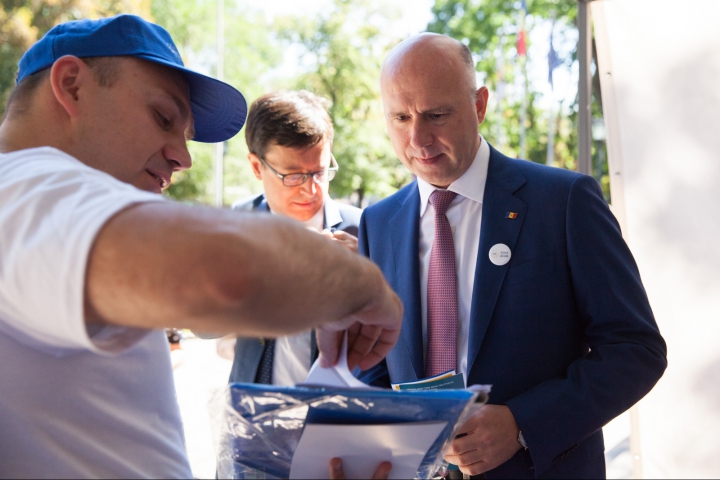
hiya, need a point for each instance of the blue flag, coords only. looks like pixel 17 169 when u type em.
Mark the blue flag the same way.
pixel 553 61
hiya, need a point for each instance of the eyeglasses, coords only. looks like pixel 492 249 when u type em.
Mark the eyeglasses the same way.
pixel 296 179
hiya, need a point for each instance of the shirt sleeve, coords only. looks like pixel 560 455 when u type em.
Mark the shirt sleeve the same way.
pixel 51 209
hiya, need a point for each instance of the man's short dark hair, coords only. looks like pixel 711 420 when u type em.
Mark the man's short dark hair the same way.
pixel 105 71
pixel 295 119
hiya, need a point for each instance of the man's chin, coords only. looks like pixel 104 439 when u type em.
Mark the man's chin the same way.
pixel 437 179
pixel 145 182
pixel 152 187
pixel 437 174
pixel 303 213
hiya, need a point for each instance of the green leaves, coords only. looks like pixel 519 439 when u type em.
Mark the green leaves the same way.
pixel 490 29
pixel 338 54
pixel 344 49
pixel 23 22
pixel 250 53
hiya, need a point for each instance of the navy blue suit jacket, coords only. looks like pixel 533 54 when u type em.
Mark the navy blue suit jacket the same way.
pixel 248 351
pixel 564 332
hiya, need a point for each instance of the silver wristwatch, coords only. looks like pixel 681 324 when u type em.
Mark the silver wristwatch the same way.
pixel 521 440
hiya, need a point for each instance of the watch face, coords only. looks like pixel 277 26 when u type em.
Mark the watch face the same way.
pixel 173 336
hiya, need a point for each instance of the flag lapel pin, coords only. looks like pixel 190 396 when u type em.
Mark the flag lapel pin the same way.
pixel 511 215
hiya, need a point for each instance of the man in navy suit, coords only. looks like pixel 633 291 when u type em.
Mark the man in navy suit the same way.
pixel 289 136
pixel 545 302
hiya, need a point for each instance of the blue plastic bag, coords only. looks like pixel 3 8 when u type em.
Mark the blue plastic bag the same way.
pixel 258 427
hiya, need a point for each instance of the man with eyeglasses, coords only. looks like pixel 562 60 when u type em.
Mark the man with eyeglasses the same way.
pixel 289 135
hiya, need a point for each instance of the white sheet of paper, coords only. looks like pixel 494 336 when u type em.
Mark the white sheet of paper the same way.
pixel 363 447
pixel 337 376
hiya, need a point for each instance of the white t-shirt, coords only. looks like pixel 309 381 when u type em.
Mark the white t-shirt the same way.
pixel 74 401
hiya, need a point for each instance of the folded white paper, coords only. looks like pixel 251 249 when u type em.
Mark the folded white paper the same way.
pixel 337 376
pixel 363 447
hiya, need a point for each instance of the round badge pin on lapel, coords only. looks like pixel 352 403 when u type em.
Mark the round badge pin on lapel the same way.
pixel 500 254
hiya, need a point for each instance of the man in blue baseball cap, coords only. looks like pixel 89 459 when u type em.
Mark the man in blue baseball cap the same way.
pixel 94 263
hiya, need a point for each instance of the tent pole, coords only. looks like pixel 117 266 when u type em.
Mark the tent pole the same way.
pixel 584 88
pixel 614 155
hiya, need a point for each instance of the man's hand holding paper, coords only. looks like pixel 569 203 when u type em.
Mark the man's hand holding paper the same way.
pixel 372 332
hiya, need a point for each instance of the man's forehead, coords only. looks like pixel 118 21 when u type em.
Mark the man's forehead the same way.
pixel 424 51
pixel 424 92
pixel 297 158
pixel 427 62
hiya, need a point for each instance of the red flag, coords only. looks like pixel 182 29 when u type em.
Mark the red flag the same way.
pixel 522 35
pixel 521 45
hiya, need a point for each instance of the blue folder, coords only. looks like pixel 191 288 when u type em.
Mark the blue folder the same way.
pixel 260 425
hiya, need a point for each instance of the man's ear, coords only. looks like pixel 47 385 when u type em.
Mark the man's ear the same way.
pixel 256 165
pixel 481 101
pixel 67 76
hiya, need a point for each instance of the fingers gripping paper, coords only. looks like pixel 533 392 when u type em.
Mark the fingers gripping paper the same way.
pixel 337 376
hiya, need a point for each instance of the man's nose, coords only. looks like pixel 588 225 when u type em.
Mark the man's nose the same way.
pixel 420 134
pixel 309 187
pixel 178 155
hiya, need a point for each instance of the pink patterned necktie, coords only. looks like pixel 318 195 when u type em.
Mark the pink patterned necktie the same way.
pixel 442 306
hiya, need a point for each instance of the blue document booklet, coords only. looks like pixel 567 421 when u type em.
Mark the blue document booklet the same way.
pixel 444 381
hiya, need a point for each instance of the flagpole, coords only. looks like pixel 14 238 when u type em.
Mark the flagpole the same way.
pixel 218 164
pixel 550 160
pixel 500 94
pixel 523 115
pixel 552 64
pixel 584 108
pixel 523 73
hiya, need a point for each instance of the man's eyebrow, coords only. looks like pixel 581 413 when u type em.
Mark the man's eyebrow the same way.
pixel 396 114
pixel 442 108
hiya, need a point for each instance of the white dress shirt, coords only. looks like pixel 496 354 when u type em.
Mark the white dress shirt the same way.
pixel 292 362
pixel 317 221
pixel 465 216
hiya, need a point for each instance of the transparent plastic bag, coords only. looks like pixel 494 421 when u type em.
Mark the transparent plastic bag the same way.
pixel 258 427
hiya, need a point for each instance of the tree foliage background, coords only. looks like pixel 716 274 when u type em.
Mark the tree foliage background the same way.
pixel 23 22
pixel 338 55
pixel 490 29
pixel 344 48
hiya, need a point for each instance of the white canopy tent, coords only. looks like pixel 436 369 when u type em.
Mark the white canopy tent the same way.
pixel 659 67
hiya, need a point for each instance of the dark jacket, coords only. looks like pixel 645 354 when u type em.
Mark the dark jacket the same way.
pixel 563 332
pixel 248 351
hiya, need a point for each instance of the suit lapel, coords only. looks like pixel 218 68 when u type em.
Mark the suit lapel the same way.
pixel 502 181
pixel 333 218
pixel 404 234
pixel 263 205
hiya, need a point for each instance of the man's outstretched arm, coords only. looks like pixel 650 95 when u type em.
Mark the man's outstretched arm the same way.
pixel 158 265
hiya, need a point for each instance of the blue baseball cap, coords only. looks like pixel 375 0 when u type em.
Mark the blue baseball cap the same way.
pixel 218 109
